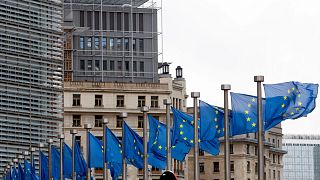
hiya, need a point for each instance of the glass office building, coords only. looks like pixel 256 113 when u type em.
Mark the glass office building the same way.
pixel 303 158
pixel 31 74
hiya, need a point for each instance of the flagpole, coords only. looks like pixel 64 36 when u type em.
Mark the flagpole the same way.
pixel 32 150
pixel 73 132
pixel 61 137
pixel 145 109
pixel 227 175
pixel 258 80
pixel 123 115
pixel 105 165
pixel 49 141
pixel 87 127
pixel 195 96
pixel 167 103
pixel 41 145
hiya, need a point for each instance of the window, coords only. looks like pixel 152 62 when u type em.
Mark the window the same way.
pixel 134 21
pixel 274 174
pixel 278 144
pixel 96 42
pixel 216 167
pixel 141 68
pixel 201 165
pixel 248 148
pixel 279 159
pixel 111 21
pixel 97 65
pixel 119 65
pixel 256 168
pixel 232 166
pixel 82 65
pixel 141 101
pixel 104 22
pixel 96 20
pixel 154 101
pixel 141 22
pixel 135 66
pixel 98 100
pixel 231 148
pixel 89 65
pixel 89 42
pixel 126 65
pixel 89 19
pixel 119 122
pixel 134 47
pixel 119 21
pixel 111 65
pixel 76 100
pixel 274 158
pixel 78 140
pixel 81 18
pixel 98 121
pixel 120 101
pixel 119 44
pixel 111 43
pixel 141 47
pixel 248 166
pixel 140 121
pixel 126 44
pixel 126 21
pixel 105 65
pixel 76 121
pixel 255 150
pixel 81 42
pixel 104 42
pixel 201 152
pixel 279 175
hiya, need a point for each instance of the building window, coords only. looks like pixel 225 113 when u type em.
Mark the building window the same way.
pixel 134 47
pixel 248 166
pixel 98 100
pixel 81 42
pixel 126 66
pixel 134 22
pixel 154 101
pixel 82 65
pixel 119 21
pixel 89 42
pixel 104 22
pixel 89 19
pixel 274 158
pixel 216 167
pixel 140 121
pixel 141 68
pixel 126 21
pixel 119 44
pixel 278 144
pixel 112 44
pixel 141 22
pixel 105 65
pixel 141 101
pixel 81 18
pixel 111 21
pixel 97 65
pixel 111 65
pixel 78 140
pixel 279 175
pixel 104 42
pixel 248 149
pixel 232 166
pixel 96 20
pixel 255 150
pixel 96 42
pixel 119 65
pixel 76 100
pixel 89 65
pixel 76 121
pixel 201 152
pixel 126 44
pixel 279 159
pixel 119 122
pixel 201 165
pixel 231 148
pixel 98 121
pixel 141 47
pixel 120 101
pixel 256 168
pixel 274 174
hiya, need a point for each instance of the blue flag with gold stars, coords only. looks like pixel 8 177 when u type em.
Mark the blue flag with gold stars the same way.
pixel 80 163
pixel 44 166
pixel 182 134
pixel 95 152
pixel 157 149
pixel 27 170
pixel 55 160
pixel 244 114
pixel 301 97
pixel 133 147
pixel 113 154
pixel 20 172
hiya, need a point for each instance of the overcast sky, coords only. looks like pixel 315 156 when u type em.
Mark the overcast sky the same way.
pixel 230 41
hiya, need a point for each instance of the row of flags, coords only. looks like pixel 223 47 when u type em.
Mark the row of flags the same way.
pixel 290 100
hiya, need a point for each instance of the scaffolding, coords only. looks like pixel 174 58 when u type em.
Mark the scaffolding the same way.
pixel 118 43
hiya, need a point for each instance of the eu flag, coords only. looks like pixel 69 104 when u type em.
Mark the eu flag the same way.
pixel 55 160
pixel 27 170
pixel 301 97
pixel 44 166
pixel 182 134
pixel 67 160
pixel 80 163
pixel 95 152
pixel 113 154
pixel 157 149
pixel 133 147
pixel 20 172
pixel 14 173
pixel 275 107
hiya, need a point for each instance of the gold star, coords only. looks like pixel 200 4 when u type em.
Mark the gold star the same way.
pixel 217 112
pixel 297 109
pixel 192 122
pixel 249 105
pixel 289 91
pixel 215 119
pixel 292 88
pixel 253 124
pixel 158 126
pixel 246 112
pixel 191 141
pixel 217 126
pixel 160 147
pixel 292 113
pixel 184 120
pixel 173 147
pixel 299 95
pixel 248 119
pixel 199 140
pixel 300 103
pixel 121 151
pixel 134 141
pixel 284 115
pixel 253 100
pixel 185 138
pixel 284 97
pixel 135 147
pixel 155 142
pixel 181 132
pixel 138 153
pixel 282 105
pixel 219 131
pixel 181 126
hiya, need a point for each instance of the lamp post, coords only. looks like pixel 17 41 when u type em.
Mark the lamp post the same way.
pixel 87 127
pixel 41 145
pixel 145 109
pixel 167 103
pixel 73 132
pixel 49 141
pixel 195 96
pixel 61 138
pixel 105 148
pixel 123 115
pixel 32 150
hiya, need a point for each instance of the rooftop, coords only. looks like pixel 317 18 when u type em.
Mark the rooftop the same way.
pixel 107 2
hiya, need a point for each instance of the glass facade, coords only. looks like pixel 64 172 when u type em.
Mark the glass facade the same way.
pixel 31 65
pixel 303 158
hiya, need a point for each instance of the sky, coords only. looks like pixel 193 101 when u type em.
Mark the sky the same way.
pixel 230 41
